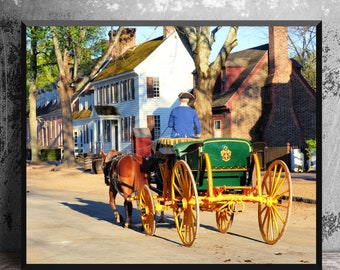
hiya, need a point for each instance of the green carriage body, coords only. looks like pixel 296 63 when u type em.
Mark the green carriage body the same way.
pixel 229 160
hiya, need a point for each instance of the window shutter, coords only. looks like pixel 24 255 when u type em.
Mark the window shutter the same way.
pixel 132 88
pixel 149 85
pixel 151 124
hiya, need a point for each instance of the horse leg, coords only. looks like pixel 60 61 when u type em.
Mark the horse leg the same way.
pixel 128 213
pixel 112 195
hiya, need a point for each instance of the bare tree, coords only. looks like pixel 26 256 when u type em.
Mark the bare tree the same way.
pixel 68 46
pixel 302 45
pixel 200 40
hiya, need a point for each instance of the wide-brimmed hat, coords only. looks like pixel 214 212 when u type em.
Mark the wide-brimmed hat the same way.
pixel 186 95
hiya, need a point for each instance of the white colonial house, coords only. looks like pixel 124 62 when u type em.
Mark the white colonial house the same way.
pixel 137 89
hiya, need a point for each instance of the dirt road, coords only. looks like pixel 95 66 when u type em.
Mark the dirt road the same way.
pixel 69 221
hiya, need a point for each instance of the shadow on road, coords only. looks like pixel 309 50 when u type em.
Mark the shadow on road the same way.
pixel 97 210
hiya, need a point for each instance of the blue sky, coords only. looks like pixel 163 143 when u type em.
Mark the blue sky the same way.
pixel 248 36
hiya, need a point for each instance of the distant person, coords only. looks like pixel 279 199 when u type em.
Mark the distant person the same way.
pixel 183 119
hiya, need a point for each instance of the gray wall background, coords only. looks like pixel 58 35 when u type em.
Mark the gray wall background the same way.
pixel 12 84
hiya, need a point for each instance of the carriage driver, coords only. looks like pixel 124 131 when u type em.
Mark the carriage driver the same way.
pixel 183 119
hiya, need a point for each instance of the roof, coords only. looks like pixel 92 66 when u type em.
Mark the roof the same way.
pixel 106 110
pixel 81 114
pixel 51 107
pixel 247 58
pixel 86 90
pixel 130 59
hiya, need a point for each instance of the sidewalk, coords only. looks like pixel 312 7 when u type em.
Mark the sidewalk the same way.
pixel 304 187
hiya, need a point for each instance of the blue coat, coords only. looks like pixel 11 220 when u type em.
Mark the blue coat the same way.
pixel 184 122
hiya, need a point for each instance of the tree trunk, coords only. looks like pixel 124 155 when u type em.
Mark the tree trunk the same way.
pixel 201 41
pixel 64 60
pixel 32 68
pixel 203 107
pixel 33 123
pixel 67 127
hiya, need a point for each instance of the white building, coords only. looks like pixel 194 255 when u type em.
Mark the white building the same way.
pixel 138 89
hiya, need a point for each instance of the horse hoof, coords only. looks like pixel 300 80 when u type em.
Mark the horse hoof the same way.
pixel 119 219
pixel 127 225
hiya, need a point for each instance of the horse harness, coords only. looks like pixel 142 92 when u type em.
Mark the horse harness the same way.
pixel 114 179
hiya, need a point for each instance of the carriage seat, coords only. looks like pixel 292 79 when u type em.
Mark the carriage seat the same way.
pixel 230 161
pixel 166 146
pixel 184 148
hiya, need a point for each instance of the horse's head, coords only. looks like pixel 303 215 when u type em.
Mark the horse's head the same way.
pixel 109 156
pixel 106 163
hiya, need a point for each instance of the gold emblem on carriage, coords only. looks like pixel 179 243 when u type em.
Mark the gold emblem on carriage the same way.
pixel 226 153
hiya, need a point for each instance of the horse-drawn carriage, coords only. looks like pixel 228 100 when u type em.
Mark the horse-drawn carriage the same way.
pixel 217 175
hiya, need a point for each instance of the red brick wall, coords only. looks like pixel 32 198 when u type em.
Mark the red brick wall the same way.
pixel 279 64
pixel 127 40
pixel 283 125
pixel 277 106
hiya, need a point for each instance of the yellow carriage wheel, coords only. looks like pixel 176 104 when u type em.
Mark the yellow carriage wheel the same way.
pixel 274 210
pixel 147 210
pixel 184 202
pixel 224 219
pixel 256 170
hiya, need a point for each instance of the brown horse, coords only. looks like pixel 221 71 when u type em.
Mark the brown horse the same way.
pixel 124 175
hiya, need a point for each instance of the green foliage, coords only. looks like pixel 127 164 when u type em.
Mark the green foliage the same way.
pixel 311 147
pixel 50 154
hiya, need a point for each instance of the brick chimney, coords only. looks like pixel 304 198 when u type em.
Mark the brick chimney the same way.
pixel 280 66
pixel 167 31
pixel 127 40
pixel 282 124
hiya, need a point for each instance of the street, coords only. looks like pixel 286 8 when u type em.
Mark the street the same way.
pixel 69 220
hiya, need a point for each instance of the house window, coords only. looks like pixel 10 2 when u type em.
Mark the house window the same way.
pixel 100 96
pixel 91 142
pixel 86 133
pixel 133 122
pixel 127 124
pixel 132 88
pixel 86 102
pixel 157 128
pixel 81 138
pixel 98 130
pixel 75 139
pixel 107 131
pixel 123 91
pixel 112 94
pixel 107 95
pixel 60 142
pixel 152 87
pixel 125 129
pixel 116 93
pixel 154 124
